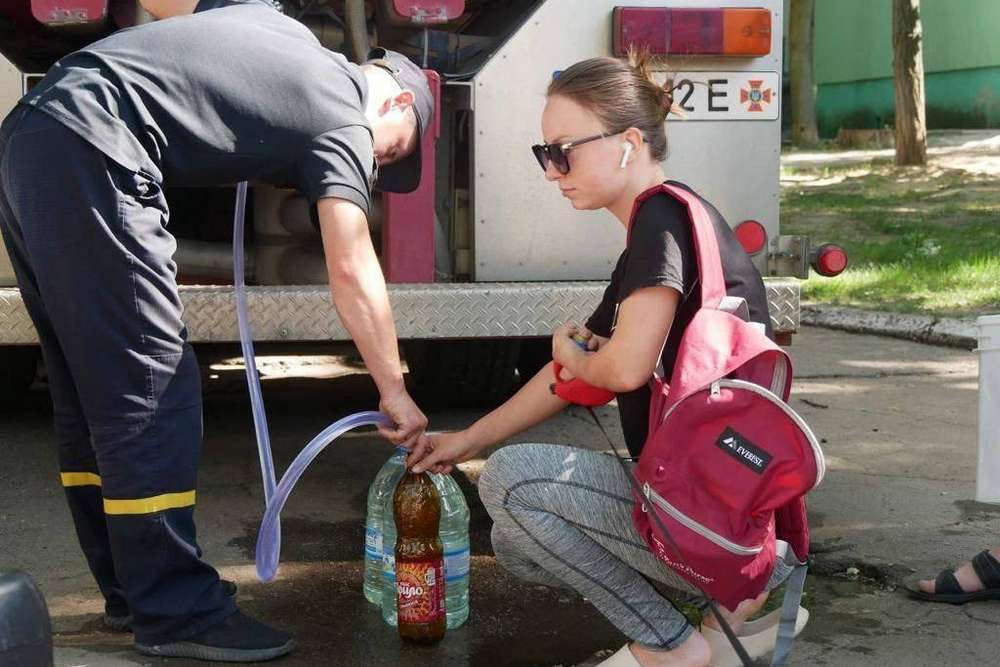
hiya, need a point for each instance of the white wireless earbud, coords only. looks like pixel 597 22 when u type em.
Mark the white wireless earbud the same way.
pixel 628 151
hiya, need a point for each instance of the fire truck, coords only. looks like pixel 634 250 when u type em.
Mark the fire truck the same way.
pixel 485 259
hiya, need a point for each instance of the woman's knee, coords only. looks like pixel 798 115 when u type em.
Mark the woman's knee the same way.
pixel 505 548
pixel 504 469
pixel 509 549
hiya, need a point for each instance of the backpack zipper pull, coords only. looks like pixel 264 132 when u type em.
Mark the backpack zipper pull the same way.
pixel 715 390
pixel 645 491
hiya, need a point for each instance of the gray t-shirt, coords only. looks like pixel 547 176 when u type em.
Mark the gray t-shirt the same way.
pixel 236 91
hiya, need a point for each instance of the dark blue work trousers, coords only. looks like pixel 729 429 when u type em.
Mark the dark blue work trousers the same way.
pixel 92 255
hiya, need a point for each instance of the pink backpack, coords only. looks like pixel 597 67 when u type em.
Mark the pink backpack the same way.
pixel 727 462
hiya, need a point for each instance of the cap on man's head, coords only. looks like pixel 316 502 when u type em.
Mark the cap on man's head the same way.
pixel 404 176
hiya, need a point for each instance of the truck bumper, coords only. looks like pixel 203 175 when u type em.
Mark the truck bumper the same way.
pixel 444 310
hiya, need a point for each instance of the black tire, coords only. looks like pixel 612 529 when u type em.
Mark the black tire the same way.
pixel 462 373
pixel 18 365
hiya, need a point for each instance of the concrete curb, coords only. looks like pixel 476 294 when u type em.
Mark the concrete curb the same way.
pixel 953 332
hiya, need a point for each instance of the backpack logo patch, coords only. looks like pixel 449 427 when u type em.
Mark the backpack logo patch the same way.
pixel 743 450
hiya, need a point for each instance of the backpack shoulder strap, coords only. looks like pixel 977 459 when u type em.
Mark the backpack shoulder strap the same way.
pixel 706 245
pixel 789 606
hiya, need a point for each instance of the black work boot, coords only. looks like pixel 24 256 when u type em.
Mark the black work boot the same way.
pixel 123 622
pixel 239 638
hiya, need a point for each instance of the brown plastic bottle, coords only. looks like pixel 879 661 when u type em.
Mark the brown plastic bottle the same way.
pixel 419 560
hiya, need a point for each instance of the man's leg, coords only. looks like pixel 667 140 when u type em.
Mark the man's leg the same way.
pixel 77 463
pixel 94 235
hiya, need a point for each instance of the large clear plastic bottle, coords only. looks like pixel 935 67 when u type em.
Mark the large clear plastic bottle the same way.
pixel 454 534
pixel 382 487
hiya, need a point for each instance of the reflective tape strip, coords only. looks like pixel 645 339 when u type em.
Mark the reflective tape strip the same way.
pixel 80 479
pixel 149 505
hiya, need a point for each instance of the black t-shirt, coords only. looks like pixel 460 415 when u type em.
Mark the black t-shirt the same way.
pixel 660 251
pixel 236 91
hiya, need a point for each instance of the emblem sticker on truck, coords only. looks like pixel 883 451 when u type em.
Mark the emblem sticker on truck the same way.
pixel 727 95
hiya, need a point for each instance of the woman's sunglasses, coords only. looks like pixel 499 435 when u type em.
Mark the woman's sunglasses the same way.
pixel 558 154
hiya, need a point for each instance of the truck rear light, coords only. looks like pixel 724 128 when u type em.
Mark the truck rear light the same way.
pixel 69 12
pixel 828 260
pixel 428 12
pixel 746 32
pixel 644 27
pixel 695 31
pixel 752 236
pixel 714 32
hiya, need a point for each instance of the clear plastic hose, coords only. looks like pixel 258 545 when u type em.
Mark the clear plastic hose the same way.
pixel 246 342
pixel 275 494
pixel 269 538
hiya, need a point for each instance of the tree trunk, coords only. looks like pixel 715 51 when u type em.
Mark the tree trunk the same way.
pixel 800 65
pixel 908 72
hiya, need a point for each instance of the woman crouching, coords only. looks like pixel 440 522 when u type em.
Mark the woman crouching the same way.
pixel 562 515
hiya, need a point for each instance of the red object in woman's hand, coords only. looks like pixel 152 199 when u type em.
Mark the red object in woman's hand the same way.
pixel 579 392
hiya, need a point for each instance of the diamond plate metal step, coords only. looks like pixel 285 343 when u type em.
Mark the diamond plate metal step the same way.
pixel 446 310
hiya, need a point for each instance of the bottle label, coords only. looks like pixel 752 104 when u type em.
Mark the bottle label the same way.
pixel 420 591
pixel 388 566
pixel 456 564
pixel 373 543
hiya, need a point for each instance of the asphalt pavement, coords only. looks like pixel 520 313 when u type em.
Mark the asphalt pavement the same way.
pixel 898 424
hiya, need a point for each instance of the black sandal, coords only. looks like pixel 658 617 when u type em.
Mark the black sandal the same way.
pixel 947 589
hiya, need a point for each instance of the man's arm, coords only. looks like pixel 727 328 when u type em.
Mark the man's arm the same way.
pixel 164 9
pixel 359 294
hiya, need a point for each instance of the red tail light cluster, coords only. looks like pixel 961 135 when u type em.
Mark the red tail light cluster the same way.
pixel 829 260
pixel 69 12
pixel 428 12
pixel 702 31
pixel 752 236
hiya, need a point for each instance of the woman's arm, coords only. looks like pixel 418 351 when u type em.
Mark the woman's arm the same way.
pixel 622 363
pixel 533 404
pixel 630 356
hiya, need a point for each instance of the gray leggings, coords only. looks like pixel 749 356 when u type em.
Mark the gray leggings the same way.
pixel 563 518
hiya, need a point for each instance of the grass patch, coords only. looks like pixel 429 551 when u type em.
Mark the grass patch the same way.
pixel 919 241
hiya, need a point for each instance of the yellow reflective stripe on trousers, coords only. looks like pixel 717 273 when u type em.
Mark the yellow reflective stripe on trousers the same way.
pixel 80 479
pixel 149 505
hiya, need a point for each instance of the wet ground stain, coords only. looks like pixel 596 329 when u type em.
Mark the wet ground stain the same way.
pixel 512 623
pixel 828 627
pixel 975 511
pixel 311 541
pixel 318 597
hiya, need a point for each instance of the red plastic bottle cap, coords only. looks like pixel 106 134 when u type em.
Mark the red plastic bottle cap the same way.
pixel 752 236
pixel 832 260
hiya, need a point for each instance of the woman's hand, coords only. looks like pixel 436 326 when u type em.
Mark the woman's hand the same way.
pixel 439 452
pixel 566 351
pixel 626 361
pixel 594 342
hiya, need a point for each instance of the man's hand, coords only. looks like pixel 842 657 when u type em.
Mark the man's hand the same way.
pixel 409 421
